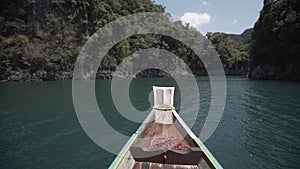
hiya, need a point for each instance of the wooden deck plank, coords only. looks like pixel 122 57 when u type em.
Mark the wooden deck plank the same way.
pixel 147 165
pixel 137 165
pixel 156 166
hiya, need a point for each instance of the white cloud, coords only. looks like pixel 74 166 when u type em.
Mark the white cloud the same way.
pixel 195 19
pixel 204 3
pixel 234 21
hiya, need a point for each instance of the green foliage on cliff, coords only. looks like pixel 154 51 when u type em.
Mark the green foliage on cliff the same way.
pixel 233 51
pixel 276 36
pixel 47 35
pixel 41 39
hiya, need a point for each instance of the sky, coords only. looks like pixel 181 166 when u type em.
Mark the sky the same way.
pixel 229 16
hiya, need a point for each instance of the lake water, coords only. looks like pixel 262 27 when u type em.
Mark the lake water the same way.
pixel 260 127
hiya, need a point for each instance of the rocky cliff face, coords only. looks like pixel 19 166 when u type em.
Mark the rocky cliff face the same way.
pixel 290 72
pixel 40 39
pixel 276 41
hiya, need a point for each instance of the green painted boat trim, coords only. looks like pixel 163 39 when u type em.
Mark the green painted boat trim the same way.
pixel 212 159
pixel 122 153
pixel 209 155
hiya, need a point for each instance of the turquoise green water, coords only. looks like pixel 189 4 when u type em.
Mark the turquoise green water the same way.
pixel 260 127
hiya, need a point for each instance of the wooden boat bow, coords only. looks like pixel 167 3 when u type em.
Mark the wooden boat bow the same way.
pixel 164 141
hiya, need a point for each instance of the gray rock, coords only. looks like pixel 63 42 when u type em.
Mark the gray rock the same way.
pixel 50 76
pixel 18 75
pixel 66 75
pixel 257 73
pixel 290 72
pixel 41 74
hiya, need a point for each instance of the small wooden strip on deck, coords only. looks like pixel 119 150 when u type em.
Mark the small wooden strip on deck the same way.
pixel 147 165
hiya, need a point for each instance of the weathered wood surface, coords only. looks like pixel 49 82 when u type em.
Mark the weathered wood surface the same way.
pixel 166 134
pixel 170 136
pixel 147 165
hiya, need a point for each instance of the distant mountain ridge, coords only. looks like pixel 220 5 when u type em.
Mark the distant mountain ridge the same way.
pixel 233 50
pixel 244 37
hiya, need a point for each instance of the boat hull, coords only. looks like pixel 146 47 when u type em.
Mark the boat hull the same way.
pixel 159 145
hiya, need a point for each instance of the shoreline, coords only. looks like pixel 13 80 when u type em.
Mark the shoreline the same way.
pixel 166 77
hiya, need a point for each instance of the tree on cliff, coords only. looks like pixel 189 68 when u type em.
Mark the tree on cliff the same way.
pixel 233 51
pixel 276 41
pixel 45 36
pixel 41 39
